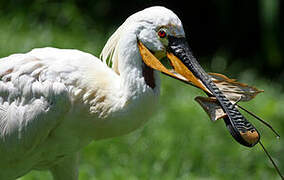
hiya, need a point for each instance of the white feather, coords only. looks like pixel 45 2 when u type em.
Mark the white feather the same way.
pixel 54 101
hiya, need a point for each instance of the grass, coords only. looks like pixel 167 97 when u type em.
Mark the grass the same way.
pixel 179 141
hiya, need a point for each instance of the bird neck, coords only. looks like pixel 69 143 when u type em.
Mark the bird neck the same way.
pixel 136 77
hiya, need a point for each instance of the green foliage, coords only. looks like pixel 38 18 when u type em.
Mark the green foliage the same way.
pixel 179 141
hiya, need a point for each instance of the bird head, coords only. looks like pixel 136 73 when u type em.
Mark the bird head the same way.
pixel 161 38
pixel 158 34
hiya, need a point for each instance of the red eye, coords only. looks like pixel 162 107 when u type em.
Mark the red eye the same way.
pixel 162 33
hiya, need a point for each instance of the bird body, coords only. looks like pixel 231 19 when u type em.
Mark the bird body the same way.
pixel 56 101
pixel 53 102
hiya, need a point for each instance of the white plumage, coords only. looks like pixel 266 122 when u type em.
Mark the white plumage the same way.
pixel 54 101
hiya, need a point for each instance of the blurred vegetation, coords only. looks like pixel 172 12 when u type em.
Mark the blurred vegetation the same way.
pixel 180 142
pixel 239 38
pixel 247 34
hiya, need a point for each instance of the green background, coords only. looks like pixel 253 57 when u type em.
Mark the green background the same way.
pixel 179 141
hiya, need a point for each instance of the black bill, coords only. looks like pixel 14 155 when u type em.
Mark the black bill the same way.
pixel 187 69
pixel 242 130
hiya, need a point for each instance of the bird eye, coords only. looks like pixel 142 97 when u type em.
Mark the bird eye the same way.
pixel 162 33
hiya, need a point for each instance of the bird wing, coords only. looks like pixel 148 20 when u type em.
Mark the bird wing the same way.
pixel 36 91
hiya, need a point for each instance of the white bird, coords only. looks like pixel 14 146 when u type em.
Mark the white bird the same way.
pixel 53 102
